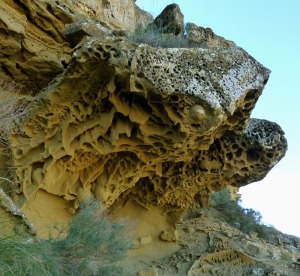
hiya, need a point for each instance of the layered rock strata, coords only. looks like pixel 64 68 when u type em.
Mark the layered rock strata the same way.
pixel 34 47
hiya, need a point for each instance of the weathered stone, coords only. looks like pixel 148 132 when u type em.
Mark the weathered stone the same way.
pixel 126 122
pixel 76 32
pixel 119 121
pixel 147 131
pixel 170 20
pixel 12 218
pixel 34 48
pixel 205 37
pixel 148 272
pixel 208 249
pixel 114 13
pixel 155 126
pixel 143 18
pixel 170 235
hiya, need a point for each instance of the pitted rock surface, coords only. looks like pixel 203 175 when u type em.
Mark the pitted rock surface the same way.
pixel 149 132
pixel 155 126
pixel 205 37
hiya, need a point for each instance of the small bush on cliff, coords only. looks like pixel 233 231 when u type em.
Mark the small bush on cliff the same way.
pixel 92 246
pixel 247 220
pixel 155 38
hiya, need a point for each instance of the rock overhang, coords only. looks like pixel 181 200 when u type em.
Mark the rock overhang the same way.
pixel 123 121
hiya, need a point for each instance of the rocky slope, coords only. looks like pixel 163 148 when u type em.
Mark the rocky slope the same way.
pixel 147 131
pixel 209 246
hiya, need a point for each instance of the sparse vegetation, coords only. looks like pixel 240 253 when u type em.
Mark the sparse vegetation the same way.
pixel 247 220
pixel 13 106
pixel 155 38
pixel 91 245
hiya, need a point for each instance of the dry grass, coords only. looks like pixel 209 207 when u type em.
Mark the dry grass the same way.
pixel 13 106
pixel 154 37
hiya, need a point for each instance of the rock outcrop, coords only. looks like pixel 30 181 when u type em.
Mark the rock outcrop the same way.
pixel 126 123
pixel 157 126
pixel 170 20
pixel 211 247
pixel 34 47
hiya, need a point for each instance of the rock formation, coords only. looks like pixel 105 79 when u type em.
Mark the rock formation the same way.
pixel 170 21
pixel 212 247
pixel 114 125
pixel 123 122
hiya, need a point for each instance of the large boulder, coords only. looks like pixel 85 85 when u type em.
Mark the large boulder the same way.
pixel 170 20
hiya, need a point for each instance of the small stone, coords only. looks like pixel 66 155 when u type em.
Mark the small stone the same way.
pixel 170 235
pixel 148 272
pixel 145 240
pixel 197 114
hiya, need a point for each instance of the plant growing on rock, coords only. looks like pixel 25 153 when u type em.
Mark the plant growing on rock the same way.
pixel 154 37
pixel 91 246
pixel 247 220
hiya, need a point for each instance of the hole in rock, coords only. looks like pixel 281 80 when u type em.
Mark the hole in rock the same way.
pixel 229 156
pixel 250 96
pixel 139 86
pixel 235 146
pixel 252 155
pixel 239 153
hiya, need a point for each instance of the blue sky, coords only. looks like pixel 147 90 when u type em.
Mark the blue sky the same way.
pixel 269 30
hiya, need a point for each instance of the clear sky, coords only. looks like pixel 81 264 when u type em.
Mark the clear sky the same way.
pixel 269 30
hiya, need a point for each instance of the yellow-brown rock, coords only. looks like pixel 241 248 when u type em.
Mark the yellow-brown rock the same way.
pixel 34 48
pixel 127 120
pixel 33 45
pixel 114 13
pixel 147 131
pixel 205 37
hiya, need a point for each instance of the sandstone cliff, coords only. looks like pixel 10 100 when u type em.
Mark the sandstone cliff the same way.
pixel 147 131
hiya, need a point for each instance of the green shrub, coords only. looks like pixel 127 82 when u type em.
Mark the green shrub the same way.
pixel 92 239
pixel 19 257
pixel 246 220
pixel 91 246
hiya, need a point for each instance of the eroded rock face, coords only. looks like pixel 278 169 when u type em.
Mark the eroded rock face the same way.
pixel 157 126
pixel 126 122
pixel 212 247
pixel 205 37
pixel 33 45
pixel 34 48
pixel 114 13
